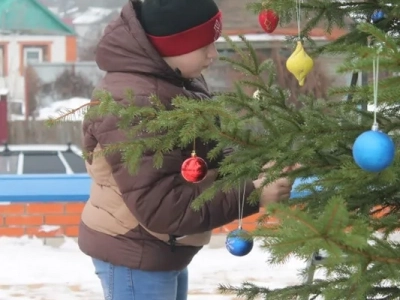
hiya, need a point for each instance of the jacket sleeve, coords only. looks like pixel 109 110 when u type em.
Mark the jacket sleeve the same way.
pixel 161 199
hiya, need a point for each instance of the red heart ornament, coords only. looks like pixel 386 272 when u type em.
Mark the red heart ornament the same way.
pixel 268 20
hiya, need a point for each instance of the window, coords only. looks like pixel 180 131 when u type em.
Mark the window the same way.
pixel 32 52
pixel 16 107
pixel 33 55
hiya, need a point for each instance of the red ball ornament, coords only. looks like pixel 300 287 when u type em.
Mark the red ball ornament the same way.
pixel 268 20
pixel 194 169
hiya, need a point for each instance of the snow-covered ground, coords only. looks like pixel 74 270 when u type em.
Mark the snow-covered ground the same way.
pixel 31 271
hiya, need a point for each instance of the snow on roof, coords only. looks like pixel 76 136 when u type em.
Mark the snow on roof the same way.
pixel 63 13
pixel 53 9
pixel 92 15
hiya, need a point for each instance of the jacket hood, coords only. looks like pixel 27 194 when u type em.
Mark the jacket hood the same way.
pixel 125 47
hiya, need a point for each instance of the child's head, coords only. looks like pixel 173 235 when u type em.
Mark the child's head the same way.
pixel 183 32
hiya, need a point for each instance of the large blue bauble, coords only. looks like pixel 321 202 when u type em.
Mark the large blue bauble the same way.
pixel 239 242
pixel 373 151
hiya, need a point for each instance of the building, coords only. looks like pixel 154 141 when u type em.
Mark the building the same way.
pixel 30 33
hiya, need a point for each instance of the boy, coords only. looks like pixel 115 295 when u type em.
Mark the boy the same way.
pixel 140 230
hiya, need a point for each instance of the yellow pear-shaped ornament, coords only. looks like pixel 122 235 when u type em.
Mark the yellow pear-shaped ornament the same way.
pixel 299 63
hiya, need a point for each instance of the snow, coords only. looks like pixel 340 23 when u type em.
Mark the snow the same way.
pixel 48 228
pixel 92 15
pixel 33 271
pixel 56 109
pixel 371 107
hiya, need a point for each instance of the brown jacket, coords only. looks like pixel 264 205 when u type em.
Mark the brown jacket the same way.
pixel 132 220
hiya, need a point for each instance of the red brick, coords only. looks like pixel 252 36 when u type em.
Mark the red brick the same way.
pixel 74 208
pixel 12 209
pixel 1 221
pixel 217 230
pixel 378 212
pixel 24 220
pixel 229 227
pixel 43 232
pixel 249 226
pixel 45 208
pixel 252 219
pixel 62 219
pixel 71 231
pixel 12 231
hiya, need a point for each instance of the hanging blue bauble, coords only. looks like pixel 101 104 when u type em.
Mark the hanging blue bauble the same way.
pixel 373 151
pixel 239 242
pixel 377 15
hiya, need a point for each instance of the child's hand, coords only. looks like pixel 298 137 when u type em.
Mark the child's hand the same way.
pixel 275 191
pixel 285 170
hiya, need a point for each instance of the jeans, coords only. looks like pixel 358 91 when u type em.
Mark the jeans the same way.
pixel 122 283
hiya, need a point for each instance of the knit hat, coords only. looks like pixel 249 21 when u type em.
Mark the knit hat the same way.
pixel 177 27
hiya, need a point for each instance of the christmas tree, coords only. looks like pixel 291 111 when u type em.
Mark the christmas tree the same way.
pixel 349 209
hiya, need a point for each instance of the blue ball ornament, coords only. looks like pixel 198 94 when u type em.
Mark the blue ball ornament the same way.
pixel 373 151
pixel 377 15
pixel 239 242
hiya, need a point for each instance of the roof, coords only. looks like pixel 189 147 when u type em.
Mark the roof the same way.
pixel 29 16
pixel 41 159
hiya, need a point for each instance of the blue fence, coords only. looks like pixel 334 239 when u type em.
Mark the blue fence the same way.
pixel 44 188
pixel 60 188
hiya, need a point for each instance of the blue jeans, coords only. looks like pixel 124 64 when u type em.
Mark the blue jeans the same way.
pixel 122 283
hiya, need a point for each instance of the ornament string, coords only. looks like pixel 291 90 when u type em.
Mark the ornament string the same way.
pixel 298 13
pixel 241 205
pixel 375 81
pixel 194 147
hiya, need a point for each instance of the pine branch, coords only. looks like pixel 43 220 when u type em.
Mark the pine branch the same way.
pixel 343 209
pixel 330 231
pixel 65 116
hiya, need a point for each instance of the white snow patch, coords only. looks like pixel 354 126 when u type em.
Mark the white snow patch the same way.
pixel 34 271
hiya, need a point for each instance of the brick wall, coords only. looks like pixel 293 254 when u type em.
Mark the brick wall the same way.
pixel 40 219
pixel 57 219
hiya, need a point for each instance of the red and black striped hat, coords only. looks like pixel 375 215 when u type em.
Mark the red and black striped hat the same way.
pixel 177 27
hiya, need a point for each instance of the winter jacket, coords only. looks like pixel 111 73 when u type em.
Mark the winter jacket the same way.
pixel 144 221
